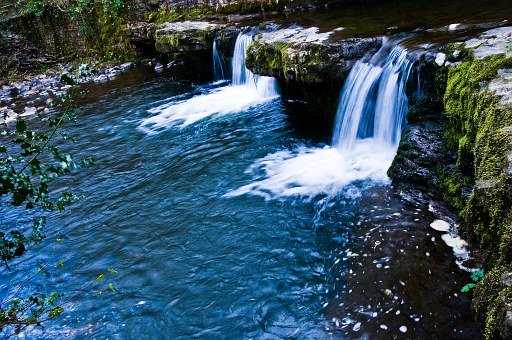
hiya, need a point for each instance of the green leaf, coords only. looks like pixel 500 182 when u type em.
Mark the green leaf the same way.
pixel 112 288
pixel 56 311
pixel 477 275
pixel 468 288
pixel 100 277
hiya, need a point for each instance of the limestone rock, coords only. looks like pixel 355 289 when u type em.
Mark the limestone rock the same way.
pixel 492 42
pixel 305 55
pixel 185 36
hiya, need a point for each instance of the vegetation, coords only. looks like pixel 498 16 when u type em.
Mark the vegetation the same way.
pixel 99 23
pixel 30 160
pixel 478 129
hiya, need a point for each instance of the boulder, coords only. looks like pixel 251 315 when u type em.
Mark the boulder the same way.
pixel 419 152
pixel 185 36
pixel 309 66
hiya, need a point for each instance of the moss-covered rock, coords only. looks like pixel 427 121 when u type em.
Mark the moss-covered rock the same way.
pixel 309 67
pixel 304 55
pixel 478 127
pixel 472 170
pixel 186 36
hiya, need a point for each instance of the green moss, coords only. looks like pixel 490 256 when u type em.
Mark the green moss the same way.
pixel 479 130
pixel 287 61
pixel 173 42
pixel 490 300
pixel 167 14
pixel 452 184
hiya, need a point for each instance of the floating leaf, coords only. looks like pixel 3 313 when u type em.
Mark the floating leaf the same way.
pixel 112 288
pixel 56 311
pixel 100 277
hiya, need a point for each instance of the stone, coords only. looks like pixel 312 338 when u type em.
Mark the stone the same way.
pixel 419 152
pixel 493 42
pixel 185 36
pixel 305 55
pixel 440 59
pixel 440 225
pixel 506 279
pixel 502 85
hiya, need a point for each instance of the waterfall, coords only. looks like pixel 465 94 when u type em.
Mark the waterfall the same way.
pixel 218 63
pixel 242 76
pixel 373 102
pixel 367 130
pixel 247 90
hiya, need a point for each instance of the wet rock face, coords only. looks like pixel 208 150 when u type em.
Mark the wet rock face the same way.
pixel 420 150
pixel 188 45
pixel 478 121
pixel 493 42
pixel 142 36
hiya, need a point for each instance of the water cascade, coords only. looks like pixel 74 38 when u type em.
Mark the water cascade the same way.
pixel 247 90
pixel 218 63
pixel 242 76
pixel 373 102
pixel 367 131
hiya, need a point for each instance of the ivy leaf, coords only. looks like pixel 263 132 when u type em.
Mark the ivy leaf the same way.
pixel 468 288
pixel 112 288
pixel 477 276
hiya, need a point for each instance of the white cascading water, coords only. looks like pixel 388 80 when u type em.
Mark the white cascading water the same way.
pixel 373 102
pixel 218 63
pixel 242 76
pixel 246 90
pixel 365 138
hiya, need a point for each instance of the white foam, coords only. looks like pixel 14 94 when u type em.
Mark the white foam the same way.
pixel 220 101
pixel 308 172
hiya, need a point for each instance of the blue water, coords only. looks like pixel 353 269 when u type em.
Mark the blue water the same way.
pixel 186 261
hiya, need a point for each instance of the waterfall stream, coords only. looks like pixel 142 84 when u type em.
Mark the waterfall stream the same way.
pixel 245 91
pixel 366 134
pixel 242 76
pixel 373 102
pixel 218 63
